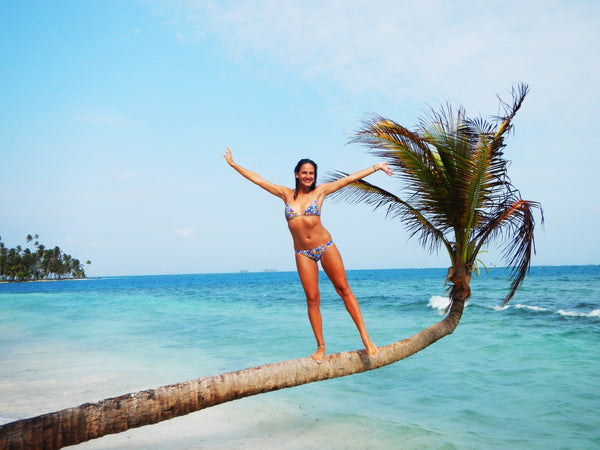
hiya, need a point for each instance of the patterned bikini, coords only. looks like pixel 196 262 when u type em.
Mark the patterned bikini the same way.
pixel 311 210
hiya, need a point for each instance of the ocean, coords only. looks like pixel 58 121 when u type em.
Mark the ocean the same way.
pixel 526 375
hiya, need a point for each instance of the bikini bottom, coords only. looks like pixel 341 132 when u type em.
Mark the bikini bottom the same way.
pixel 315 253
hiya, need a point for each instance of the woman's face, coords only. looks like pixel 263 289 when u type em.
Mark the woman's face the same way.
pixel 306 175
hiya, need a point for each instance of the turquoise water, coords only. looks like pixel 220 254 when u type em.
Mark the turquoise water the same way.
pixel 522 376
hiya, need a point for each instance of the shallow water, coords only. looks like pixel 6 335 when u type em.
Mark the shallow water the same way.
pixel 523 376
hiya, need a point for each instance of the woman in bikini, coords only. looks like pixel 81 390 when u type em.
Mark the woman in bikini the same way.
pixel 312 242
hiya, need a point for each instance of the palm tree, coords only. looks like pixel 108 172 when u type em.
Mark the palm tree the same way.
pixel 39 260
pixel 459 197
pixel 456 191
pixel 3 260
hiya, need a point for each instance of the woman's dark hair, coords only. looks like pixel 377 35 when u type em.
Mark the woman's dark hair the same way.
pixel 297 169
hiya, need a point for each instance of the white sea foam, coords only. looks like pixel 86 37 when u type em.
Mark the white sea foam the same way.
pixel 531 308
pixel 439 302
pixel 562 312
pixel 594 313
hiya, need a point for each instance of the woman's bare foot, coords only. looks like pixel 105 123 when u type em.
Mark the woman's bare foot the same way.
pixel 370 348
pixel 318 355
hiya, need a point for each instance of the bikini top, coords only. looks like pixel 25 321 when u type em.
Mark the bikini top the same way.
pixel 311 210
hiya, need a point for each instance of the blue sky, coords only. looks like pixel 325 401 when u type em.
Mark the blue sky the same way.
pixel 114 116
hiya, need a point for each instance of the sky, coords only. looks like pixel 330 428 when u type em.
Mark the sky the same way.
pixel 115 114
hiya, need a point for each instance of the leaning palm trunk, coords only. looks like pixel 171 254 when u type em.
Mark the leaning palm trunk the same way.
pixel 92 420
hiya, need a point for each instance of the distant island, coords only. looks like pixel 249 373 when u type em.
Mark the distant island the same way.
pixel 41 263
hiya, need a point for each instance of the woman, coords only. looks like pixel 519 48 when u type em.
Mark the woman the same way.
pixel 312 242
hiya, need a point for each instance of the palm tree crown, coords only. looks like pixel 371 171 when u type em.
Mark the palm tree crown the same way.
pixel 456 191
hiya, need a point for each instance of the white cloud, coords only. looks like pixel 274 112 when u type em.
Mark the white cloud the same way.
pixel 185 233
pixel 415 49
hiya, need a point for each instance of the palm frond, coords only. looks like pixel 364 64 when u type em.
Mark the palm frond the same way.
pixel 418 162
pixel 404 150
pixel 505 127
pixel 513 223
pixel 415 222
pixel 445 130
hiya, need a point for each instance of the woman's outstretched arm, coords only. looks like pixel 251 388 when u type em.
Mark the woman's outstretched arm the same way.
pixel 279 191
pixel 329 188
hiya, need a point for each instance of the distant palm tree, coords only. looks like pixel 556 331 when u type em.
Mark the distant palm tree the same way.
pixel 456 192
pixel 457 195
pixel 3 260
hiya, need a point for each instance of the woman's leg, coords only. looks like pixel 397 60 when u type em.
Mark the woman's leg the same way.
pixel 334 268
pixel 309 277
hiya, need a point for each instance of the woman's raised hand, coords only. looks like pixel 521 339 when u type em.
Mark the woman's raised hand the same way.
pixel 384 166
pixel 228 156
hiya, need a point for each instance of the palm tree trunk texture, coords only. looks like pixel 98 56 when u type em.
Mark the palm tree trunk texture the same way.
pixel 114 415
